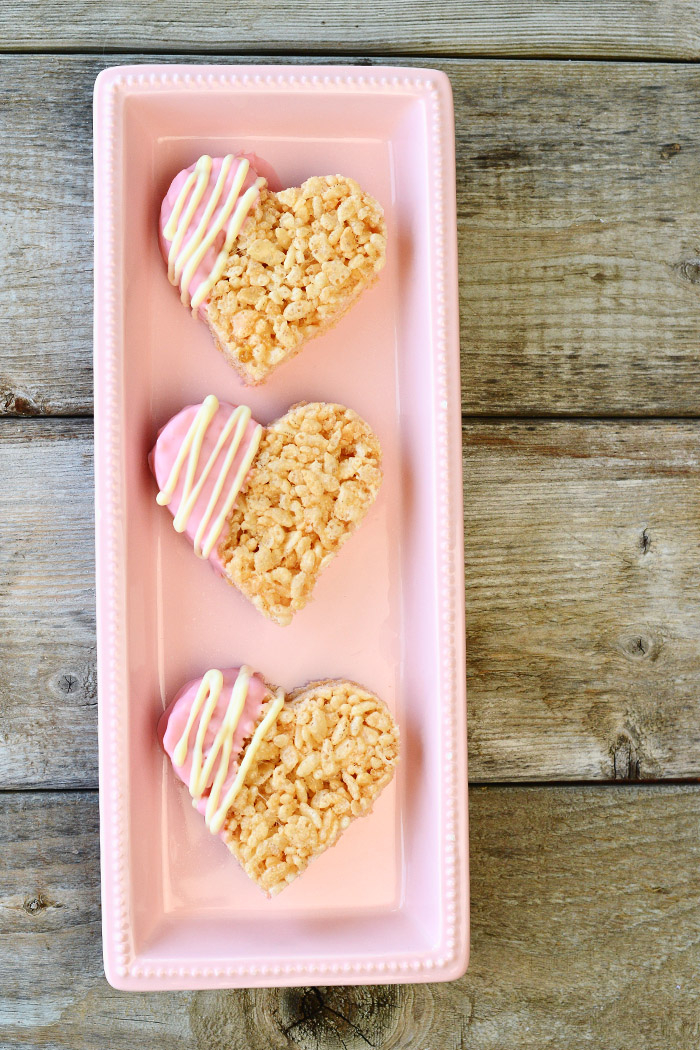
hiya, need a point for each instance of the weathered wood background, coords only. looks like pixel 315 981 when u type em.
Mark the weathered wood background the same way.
pixel 580 295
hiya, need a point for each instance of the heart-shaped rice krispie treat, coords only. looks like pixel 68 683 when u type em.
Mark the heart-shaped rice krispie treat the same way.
pixel 269 507
pixel 268 271
pixel 279 778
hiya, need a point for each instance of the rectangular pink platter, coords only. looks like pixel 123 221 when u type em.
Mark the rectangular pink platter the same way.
pixel 390 901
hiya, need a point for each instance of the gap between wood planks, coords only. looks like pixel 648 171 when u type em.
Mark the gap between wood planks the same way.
pixel 650 783
pixel 468 418
pixel 369 57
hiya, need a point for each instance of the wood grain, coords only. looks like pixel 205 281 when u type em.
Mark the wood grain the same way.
pixel 579 250
pixel 579 284
pixel 48 692
pixel 582 583
pixel 46 236
pixel 584 933
pixel 618 29
pixel 577 211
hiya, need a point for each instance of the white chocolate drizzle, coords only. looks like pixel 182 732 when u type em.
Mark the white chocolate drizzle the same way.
pixel 202 710
pixel 185 256
pixel 191 450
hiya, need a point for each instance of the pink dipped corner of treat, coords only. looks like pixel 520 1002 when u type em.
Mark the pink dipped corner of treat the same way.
pixel 258 169
pixel 212 462
pixel 173 724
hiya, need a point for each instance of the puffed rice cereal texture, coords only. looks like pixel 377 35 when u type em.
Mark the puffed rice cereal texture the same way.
pixel 322 764
pixel 301 260
pixel 316 473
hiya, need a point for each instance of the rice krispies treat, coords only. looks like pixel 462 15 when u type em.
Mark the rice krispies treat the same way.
pixel 323 763
pixel 300 261
pixel 316 473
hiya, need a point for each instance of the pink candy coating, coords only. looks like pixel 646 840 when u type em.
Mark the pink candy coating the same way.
pixel 165 452
pixel 257 168
pixel 173 721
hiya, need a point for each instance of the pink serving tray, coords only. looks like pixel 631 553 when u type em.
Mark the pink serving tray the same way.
pixel 390 901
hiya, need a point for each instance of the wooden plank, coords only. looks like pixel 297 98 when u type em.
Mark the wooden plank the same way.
pixel 578 256
pixel 618 29
pixel 576 197
pixel 583 934
pixel 581 583
pixel 46 261
pixel 48 692
pixel 583 634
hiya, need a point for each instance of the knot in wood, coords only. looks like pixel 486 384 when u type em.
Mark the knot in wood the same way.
pixel 639 643
pixel 688 270
pixel 338 1018
pixel 81 684
pixel 16 404
pixel 34 905
pixel 346 1018
pixel 626 758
